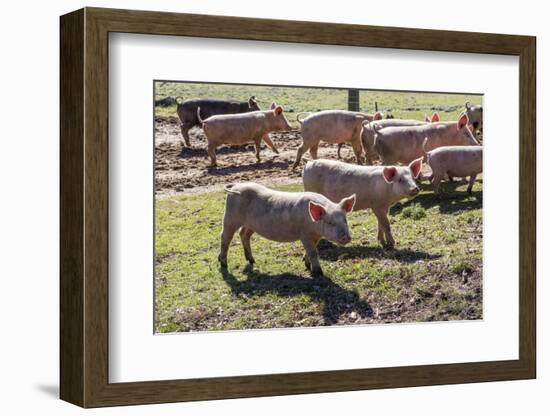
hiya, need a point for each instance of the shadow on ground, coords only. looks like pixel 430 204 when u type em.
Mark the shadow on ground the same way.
pixel 449 201
pixel 231 169
pixel 335 299
pixel 332 252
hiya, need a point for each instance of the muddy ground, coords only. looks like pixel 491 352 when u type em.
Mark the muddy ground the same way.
pixel 179 169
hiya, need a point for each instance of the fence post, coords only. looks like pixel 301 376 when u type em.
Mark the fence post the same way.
pixel 353 100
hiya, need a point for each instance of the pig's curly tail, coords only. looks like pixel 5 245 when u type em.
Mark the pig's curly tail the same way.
pixel 228 188
pixel 426 158
pixel 298 117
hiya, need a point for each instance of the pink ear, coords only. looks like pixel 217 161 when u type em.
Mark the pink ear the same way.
pixel 316 211
pixel 416 167
pixel 435 118
pixel 348 203
pixel 278 110
pixel 273 105
pixel 471 127
pixel 462 121
pixel 389 173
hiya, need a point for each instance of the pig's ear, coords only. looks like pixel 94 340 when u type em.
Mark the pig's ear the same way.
pixel 435 118
pixel 467 105
pixel 378 115
pixel 252 101
pixel 389 172
pixel 278 110
pixel 348 203
pixel 273 105
pixel 462 121
pixel 316 211
pixel 416 167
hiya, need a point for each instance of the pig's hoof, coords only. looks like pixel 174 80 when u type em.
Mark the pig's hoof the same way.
pixel 223 262
pixel 317 273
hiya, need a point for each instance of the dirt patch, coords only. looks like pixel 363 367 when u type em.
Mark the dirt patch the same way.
pixel 180 169
pixel 185 170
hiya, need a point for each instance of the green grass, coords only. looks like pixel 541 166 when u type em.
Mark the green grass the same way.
pixel 414 211
pixel 432 274
pixel 412 105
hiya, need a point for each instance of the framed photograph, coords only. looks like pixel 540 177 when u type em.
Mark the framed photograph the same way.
pixel 255 207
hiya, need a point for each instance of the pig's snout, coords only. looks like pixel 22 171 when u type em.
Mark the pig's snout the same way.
pixel 414 191
pixel 344 238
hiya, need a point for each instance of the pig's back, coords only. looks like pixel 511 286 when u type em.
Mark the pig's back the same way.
pixel 331 124
pixel 276 215
pixel 337 180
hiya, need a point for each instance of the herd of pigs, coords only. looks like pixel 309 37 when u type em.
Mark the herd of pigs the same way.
pixel 332 188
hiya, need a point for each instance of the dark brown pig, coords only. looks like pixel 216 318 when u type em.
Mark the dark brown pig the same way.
pixel 187 111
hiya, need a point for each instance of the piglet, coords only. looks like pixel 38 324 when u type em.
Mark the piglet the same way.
pixel 376 187
pixel 243 128
pixel 283 216
pixel 455 161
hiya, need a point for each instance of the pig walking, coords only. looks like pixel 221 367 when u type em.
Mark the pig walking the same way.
pixel 455 161
pixel 242 129
pixel 375 187
pixel 405 143
pixel 187 111
pixel 369 117
pixel 285 217
pixel 331 126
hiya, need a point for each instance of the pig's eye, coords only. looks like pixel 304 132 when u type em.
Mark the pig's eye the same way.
pixel 401 180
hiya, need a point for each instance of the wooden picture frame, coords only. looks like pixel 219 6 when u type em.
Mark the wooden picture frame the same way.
pixel 84 207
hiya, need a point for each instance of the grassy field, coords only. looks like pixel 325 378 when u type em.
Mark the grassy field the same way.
pixel 433 273
pixel 412 105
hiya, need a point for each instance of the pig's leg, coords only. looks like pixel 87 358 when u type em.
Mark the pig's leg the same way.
pixel 472 181
pixel 310 245
pixel 228 232
pixel 185 127
pixel 212 154
pixel 245 235
pixel 313 151
pixel 340 148
pixel 380 236
pixel 450 177
pixel 301 150
pixel 436 181
pixel 268 141
pixel 368 158
pixel 258 146
pixel 384 223
pixel 358 150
